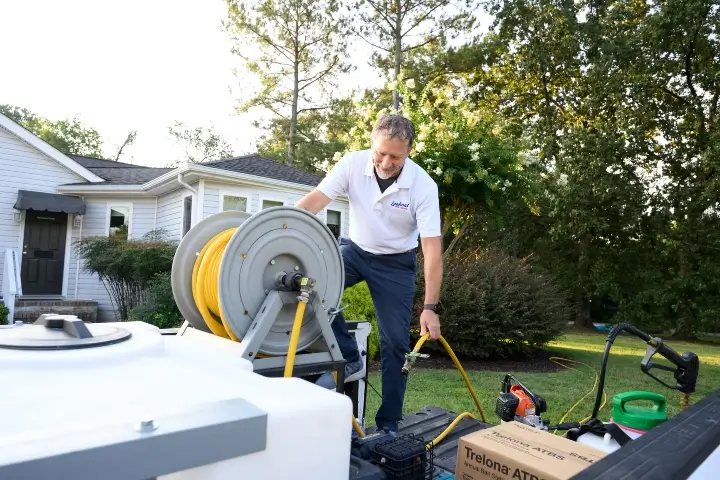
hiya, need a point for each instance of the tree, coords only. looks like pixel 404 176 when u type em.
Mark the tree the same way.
pixel 396 28
pixel 69 136
pixel 670 57
pixel 201 143
pixel 320 133
pixel 129 140
pixel 548 70
pixel 296 48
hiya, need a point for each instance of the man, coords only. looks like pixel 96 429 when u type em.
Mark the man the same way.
pixel 392 202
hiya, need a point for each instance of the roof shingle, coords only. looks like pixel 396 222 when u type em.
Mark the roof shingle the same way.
pixel 129 176
pixel 264 167
pixel 119 173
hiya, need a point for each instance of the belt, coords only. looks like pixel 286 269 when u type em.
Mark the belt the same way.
pixel 412 250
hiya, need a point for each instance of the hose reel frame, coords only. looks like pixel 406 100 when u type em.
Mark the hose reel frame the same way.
pixel 266 244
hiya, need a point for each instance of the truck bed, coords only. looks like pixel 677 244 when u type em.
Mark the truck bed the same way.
pixel 428 423
pixel 687 446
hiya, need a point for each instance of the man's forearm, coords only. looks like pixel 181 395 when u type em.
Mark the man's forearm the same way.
pixel 433 277
pixel 313 202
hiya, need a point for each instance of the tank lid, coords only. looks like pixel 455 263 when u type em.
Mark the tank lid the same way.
pixel 639 417
pixel 61 332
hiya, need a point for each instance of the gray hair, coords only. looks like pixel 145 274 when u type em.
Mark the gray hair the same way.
pixel 395 127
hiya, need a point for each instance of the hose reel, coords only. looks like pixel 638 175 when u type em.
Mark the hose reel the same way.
pixel 239 275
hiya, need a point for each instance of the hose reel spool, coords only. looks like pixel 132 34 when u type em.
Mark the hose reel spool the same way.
pixel 247 268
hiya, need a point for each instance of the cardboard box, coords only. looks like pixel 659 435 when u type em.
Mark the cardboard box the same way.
pixel 517 451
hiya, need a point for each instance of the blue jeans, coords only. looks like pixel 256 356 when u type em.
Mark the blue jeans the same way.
pixel 391 281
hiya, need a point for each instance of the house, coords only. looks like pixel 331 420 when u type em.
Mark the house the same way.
pixel 49 199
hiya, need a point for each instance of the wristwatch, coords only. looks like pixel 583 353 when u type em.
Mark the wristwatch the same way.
pixel 435 307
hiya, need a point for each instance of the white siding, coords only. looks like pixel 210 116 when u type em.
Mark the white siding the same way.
pixel 213 191
pixel 170 211
pixel 85 286
pixel 23 168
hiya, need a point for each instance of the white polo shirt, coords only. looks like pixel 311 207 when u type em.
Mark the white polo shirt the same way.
pixel 388 222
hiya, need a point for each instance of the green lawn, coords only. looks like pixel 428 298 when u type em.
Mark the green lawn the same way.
pixel 446 389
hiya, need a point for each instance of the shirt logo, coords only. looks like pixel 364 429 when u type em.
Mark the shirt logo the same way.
pixel 400 205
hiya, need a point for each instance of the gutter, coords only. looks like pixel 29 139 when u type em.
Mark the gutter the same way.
pixel 181 182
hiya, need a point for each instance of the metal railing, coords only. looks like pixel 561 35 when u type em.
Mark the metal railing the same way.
pixel 12 286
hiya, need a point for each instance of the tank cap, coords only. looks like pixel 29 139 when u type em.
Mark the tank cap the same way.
pixel 637 416
pixel 61 332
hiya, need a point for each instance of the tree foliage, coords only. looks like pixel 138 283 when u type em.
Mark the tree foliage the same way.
pixel 201 143
pixel 320 133
pixel 69 136
pixel 396 28
pixel 295 48
pixel 127 268
pixel 620 101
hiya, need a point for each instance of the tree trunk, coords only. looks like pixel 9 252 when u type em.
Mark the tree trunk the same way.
pixel 458 236
pixel 684 324
pixel 294 108
pixel 398 53
pixel 583 318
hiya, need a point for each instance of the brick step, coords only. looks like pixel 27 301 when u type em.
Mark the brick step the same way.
pixel 29 310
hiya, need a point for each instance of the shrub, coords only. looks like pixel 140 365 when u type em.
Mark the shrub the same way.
pixel 158 307
pixel 126 267
pixel 360 307
pixel 4 312
pixel 495 306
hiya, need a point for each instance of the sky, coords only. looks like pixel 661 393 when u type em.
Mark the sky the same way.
pixel 132 65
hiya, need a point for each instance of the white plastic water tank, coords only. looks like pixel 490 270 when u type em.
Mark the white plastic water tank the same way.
pixel 61 391
pixel 605 443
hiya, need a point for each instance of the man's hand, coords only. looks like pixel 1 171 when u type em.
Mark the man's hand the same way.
pixel 313 202
pixel 430 322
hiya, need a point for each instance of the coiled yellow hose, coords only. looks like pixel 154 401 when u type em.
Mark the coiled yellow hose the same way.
pixel 205 284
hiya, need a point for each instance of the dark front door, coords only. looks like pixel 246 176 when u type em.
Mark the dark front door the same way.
pixel 43 254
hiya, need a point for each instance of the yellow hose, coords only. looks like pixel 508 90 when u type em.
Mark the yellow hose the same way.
pixel 449 428
pixel 294 336
pixel 459 366
pixel 205 284
pixel 558 360
pixel 465 377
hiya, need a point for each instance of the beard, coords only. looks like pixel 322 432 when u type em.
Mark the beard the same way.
pixel 385 174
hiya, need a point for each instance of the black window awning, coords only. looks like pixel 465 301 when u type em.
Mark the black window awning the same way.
pixel 49 202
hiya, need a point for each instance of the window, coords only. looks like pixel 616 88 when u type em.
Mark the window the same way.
pixel 119 226
pixel 187 214
pixel 271 203
pixel 233 202
pixel 333 219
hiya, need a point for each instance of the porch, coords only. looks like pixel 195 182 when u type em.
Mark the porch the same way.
pixel 35 274
pixel 27 308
